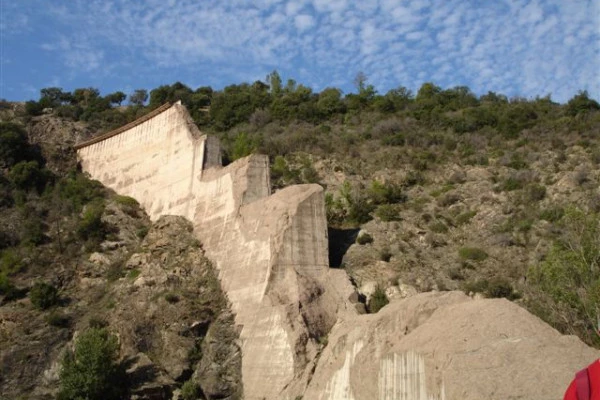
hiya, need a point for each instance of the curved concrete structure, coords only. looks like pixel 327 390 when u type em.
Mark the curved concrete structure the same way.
pixel 271 250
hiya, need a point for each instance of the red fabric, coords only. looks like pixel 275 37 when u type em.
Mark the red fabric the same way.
pixel 594 375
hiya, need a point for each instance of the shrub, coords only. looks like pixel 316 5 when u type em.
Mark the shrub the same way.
pixel 91 371
pixel 388 212
pixel 552 214
pixel 58 320
pixel 10 262
pixel 190 390
pixel 13 144
pixel 501 288
pixel 448 199
pixel 465 217
pixel 511 183
pixel 472 253
pixel 438 227
pixel 43 295
pixel 569 275
pixel 28 175
pixel 79 190
pixel 385 193
pixel 243 146
pixel 364 238
pixel 535 192
pixel 171 298
pixel 495 288
pixel 414 178
pixel 91 225
pixel 7 289
pixel 129 205
pixel 142 232
pixel 378 300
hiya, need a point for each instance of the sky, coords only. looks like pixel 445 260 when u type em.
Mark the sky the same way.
pixel 524 48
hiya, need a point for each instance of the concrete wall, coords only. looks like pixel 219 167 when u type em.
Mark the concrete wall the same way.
pixel 271 250
pixel 158 162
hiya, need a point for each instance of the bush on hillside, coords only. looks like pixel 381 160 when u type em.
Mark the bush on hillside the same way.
pixel 43 295
pixel 570 274
pixel 91 371
pixel 378 300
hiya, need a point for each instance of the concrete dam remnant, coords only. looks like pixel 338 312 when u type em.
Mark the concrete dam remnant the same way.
pixel 271 252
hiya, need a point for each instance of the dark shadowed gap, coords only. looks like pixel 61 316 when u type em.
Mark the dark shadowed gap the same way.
pixel 340 241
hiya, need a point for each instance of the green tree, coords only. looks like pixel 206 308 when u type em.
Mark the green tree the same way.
pixel 330 102
pixel 117 97
pixel 242 146
pixel 27 175
pixel 138 97
pixel 91 371
pixel 274 81
pixel 581 103
pixel 54 97
pixel 13 144
pixel 84 96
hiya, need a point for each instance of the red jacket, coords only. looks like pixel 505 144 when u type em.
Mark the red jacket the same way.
pixel 593 373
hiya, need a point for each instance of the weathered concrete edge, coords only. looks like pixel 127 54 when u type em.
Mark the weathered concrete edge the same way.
pixel 124 128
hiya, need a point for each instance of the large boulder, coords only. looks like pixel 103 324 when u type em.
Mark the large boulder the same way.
pixel 446 345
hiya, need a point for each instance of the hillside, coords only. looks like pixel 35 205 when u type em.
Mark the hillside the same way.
pixel 435 192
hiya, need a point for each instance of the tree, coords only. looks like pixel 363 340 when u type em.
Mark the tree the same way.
pixel 13 144
pixel 360 81
pixel 84 96
pixel 54 97
pixel 330 103
pixel 581 103
pixel 91 371
pixel 138 97
pixel 117 97
pixel 275 83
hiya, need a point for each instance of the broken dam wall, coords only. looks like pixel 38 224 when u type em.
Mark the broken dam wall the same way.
pixel 271 251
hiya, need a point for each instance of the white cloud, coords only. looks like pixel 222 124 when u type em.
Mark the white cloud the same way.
pixel 304 22
pixel 525 47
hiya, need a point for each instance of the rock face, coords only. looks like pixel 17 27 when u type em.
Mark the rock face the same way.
pixel 445 345
pixel 271 252
pixel 170 309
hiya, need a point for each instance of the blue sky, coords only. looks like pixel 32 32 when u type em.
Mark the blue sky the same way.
pixel 515 47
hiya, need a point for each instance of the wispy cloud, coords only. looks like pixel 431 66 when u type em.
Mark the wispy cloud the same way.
pixel 518 47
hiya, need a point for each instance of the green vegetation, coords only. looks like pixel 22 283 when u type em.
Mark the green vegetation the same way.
pixel 399 157
pixel 494 288
pixel 43 295
pixel 91 370
pixel 190 390
pixel 378 300
pixel 472 253
pixel 364 238
pixel 570 276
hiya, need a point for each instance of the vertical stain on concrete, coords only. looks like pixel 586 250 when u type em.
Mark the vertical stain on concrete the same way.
pixel 402 377
pixel 339 388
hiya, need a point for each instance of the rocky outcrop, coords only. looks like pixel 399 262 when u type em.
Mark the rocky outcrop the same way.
pixel 446 345
pixel 170 311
